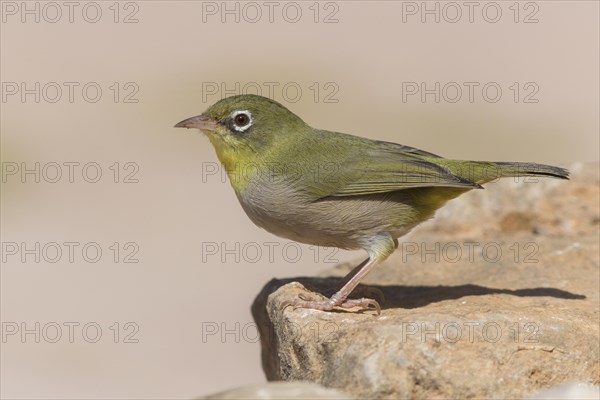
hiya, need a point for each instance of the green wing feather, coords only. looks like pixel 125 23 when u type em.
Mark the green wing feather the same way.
pixel 356 166
pixel 389 169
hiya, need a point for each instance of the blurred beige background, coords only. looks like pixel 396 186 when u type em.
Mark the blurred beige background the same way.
pixel 178 218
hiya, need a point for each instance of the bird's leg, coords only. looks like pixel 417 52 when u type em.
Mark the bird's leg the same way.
pixel 378 252
pixel 364 292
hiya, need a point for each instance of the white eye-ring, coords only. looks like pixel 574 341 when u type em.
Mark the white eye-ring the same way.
pixel 242 120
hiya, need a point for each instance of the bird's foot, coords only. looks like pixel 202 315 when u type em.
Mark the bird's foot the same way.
pixel 330 304
pixel 370 292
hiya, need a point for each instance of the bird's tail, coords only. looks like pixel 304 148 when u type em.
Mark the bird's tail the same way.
pixel 480 172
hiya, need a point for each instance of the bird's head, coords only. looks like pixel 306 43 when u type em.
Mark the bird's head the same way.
pixel 246 127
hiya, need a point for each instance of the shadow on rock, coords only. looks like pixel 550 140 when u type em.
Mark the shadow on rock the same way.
pixel 399 296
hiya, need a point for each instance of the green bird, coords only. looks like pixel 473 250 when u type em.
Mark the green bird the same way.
pixel 333 189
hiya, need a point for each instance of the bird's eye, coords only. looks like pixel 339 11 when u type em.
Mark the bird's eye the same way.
pixel 242 120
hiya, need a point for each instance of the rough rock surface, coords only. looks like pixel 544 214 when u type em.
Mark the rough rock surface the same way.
pixel 496 297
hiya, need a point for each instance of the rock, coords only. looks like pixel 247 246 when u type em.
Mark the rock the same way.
pixel 496 297
pixel 279 391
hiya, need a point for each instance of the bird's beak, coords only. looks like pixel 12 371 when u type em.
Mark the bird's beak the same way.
pixel 199 121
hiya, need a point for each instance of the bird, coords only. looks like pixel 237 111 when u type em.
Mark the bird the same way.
pixel 334 189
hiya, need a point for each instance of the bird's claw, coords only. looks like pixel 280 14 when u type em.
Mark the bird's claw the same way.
pixel 330 304
pixel 371 291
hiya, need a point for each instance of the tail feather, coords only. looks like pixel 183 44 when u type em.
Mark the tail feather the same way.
pixel 480 172
pixel 532 169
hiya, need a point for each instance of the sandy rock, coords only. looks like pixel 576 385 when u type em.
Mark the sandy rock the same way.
pixel 498 296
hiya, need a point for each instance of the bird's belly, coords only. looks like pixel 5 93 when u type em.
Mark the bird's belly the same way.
pixel 348 223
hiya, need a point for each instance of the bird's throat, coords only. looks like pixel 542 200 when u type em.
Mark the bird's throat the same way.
pixel 238 162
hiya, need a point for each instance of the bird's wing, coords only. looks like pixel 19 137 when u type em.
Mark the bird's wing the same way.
pixel 383 167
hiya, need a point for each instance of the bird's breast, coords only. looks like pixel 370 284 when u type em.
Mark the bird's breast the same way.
pixel 349 223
